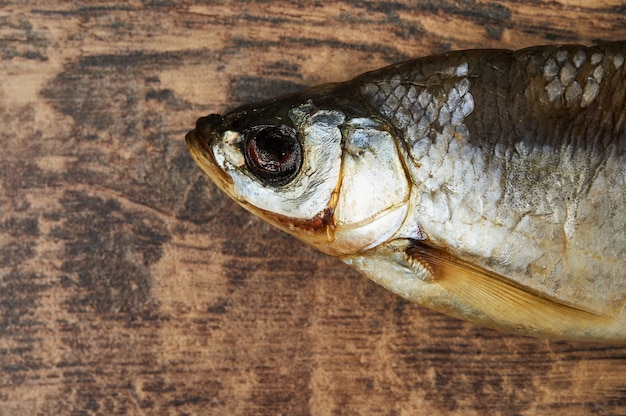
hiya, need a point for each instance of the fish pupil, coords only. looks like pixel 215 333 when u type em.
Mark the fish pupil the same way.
pixel 273 154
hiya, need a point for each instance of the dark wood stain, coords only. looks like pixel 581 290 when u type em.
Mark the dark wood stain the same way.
pixel 130 285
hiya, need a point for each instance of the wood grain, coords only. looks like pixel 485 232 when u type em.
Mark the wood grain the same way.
pixel 129 285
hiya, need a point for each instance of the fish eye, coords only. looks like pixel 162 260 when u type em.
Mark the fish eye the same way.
pixel 273 154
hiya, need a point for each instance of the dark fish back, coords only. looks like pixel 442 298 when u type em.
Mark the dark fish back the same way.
pixel 549 95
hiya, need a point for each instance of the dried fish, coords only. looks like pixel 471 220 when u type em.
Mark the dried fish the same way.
pixel 486 184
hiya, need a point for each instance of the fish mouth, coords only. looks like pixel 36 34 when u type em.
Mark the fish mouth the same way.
pixel 199 142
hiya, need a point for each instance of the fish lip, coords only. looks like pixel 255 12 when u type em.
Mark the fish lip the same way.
pixel 199 142
pixel 208 126
pixel 196 142
pixel 207 129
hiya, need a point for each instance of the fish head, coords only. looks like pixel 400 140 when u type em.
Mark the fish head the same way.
pixel 312 164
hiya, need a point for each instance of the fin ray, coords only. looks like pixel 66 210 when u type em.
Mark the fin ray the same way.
pixel 501 300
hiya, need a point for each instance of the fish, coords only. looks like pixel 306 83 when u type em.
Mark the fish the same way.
pixel 488 184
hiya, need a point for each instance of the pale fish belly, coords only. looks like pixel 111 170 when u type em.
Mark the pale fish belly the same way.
pixel 517 163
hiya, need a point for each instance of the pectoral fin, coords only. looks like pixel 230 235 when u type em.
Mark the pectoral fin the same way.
pixel 501 302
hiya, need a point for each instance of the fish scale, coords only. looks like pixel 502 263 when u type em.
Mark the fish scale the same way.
pixel 523 194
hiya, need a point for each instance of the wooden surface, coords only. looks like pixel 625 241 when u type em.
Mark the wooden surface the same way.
pixel 130 285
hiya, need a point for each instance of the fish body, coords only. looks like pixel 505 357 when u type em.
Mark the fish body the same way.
pixel 486 184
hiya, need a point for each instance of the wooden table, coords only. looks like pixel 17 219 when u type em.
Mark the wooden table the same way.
pixel 130 285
